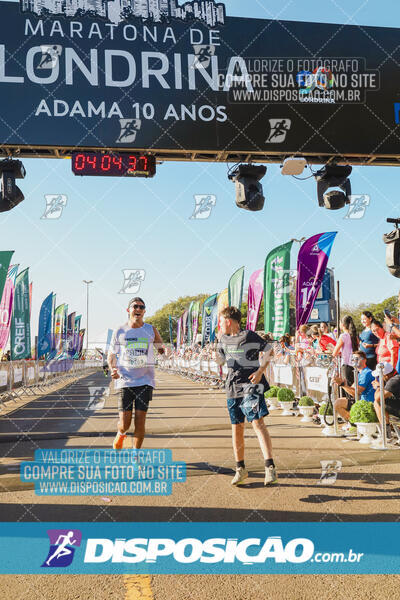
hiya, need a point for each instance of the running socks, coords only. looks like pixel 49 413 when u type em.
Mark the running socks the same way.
pixel 239 464
pixel 269 462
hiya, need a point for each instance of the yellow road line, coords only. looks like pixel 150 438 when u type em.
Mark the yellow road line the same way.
pixel 138 587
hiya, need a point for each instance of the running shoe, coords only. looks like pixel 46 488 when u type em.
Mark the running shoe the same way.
pixel 270 475
pixel 118 443
pixel 240 476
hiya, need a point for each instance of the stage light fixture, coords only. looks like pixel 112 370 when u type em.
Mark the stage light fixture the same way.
pixel 333 176
pixel 10 194
pixel 249 191
pixel 392 241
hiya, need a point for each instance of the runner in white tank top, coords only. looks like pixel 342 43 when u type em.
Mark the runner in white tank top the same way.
pixel 131 360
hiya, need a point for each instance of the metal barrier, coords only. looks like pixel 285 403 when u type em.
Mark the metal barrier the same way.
pixel 28 377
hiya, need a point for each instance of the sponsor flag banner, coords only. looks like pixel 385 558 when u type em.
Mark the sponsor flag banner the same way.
pixel 6 305
pixel 70 334
pixel 207 319
pixel 223 302
pixel 76 336
pixel 59 315
pixel 81 338
pixel 187 548
pixel 277 291
pixel 5 259
pixel 20 321
pixel 195 320
pixel 311 265
pixel 235 289
pixel 171 335
pixel 214 322
pixel 254 299
pixel 185 326
pixel 178 332
pixel 189 324
pixel 44 339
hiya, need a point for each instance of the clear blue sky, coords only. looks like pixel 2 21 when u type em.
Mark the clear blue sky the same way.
pixel 114 224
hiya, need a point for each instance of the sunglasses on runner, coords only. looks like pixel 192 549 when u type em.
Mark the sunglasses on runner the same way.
pixel 141 306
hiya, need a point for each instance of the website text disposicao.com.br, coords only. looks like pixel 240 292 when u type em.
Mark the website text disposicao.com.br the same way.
pixel 213 550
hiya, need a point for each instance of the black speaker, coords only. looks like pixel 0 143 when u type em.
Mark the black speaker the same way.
pixel 392 241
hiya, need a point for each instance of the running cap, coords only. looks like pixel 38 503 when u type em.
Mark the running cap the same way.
pixel 137 299
pixel 387 368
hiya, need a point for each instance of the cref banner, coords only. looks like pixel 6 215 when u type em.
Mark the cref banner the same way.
pixel 195 320
pixel 76 337
pixel 59 317
pixel 277 291
pixel 254 299
pixel 20 322
pixel 311 265
pixel 6 305
pixel 178 332
pixel 206 329
pixel 44 341
pixel 235 289
pixel 81 338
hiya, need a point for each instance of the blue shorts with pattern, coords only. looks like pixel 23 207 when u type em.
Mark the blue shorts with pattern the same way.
pixel 252 407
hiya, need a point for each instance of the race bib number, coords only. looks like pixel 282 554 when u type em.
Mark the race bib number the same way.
pixel 135 361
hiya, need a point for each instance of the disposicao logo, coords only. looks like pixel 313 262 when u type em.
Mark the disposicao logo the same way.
pixel 191 550
pixel 61 551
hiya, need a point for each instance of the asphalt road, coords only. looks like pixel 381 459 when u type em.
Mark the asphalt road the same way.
pixel 191 420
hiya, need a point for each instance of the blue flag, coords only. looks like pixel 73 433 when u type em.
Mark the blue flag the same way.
pixel 44 343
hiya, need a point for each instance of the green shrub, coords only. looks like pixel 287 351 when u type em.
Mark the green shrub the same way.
pixel 323 407
pixel 363 412
pixel 272 392
pixel 285 395
pixel 306 401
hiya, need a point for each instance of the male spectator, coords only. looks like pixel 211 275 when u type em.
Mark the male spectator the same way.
pixel 391 380
pixel 365 388
pixel 245 386
pixel 388 349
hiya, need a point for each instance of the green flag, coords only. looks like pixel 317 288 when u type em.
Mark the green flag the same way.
pixel 5 259
pixel 20 322
pixel 277 291
pixel 235 288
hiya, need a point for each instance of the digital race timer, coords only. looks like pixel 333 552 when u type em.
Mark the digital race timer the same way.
pixel 113 164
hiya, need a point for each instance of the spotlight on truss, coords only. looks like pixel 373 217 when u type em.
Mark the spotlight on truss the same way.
pixel 333 176
pixel 249 191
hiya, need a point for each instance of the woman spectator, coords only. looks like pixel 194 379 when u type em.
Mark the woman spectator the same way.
pixel 388 348
pixel 368 341
pixel 346 345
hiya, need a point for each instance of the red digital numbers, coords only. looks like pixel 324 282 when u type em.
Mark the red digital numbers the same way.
pixel 80 162
pixel 113 164
pixel 105 162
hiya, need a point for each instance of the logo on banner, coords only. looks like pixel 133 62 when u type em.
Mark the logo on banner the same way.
pixel 55 204
pixel 129 129
pixel 204 203
pixel 210 12
pixel 203 55
pixel 315 249
pixel 357 207
pixel 279 129
pixel 50 57
pixel 62 547
pixel 132 280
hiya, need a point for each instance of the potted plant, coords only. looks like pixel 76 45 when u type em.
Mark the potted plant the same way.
pixel 327 429
pixel 272 397
pixel 363 414
pixel 306 408
pixel 286 400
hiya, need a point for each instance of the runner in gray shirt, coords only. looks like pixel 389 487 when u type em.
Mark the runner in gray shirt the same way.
pixel 245 386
